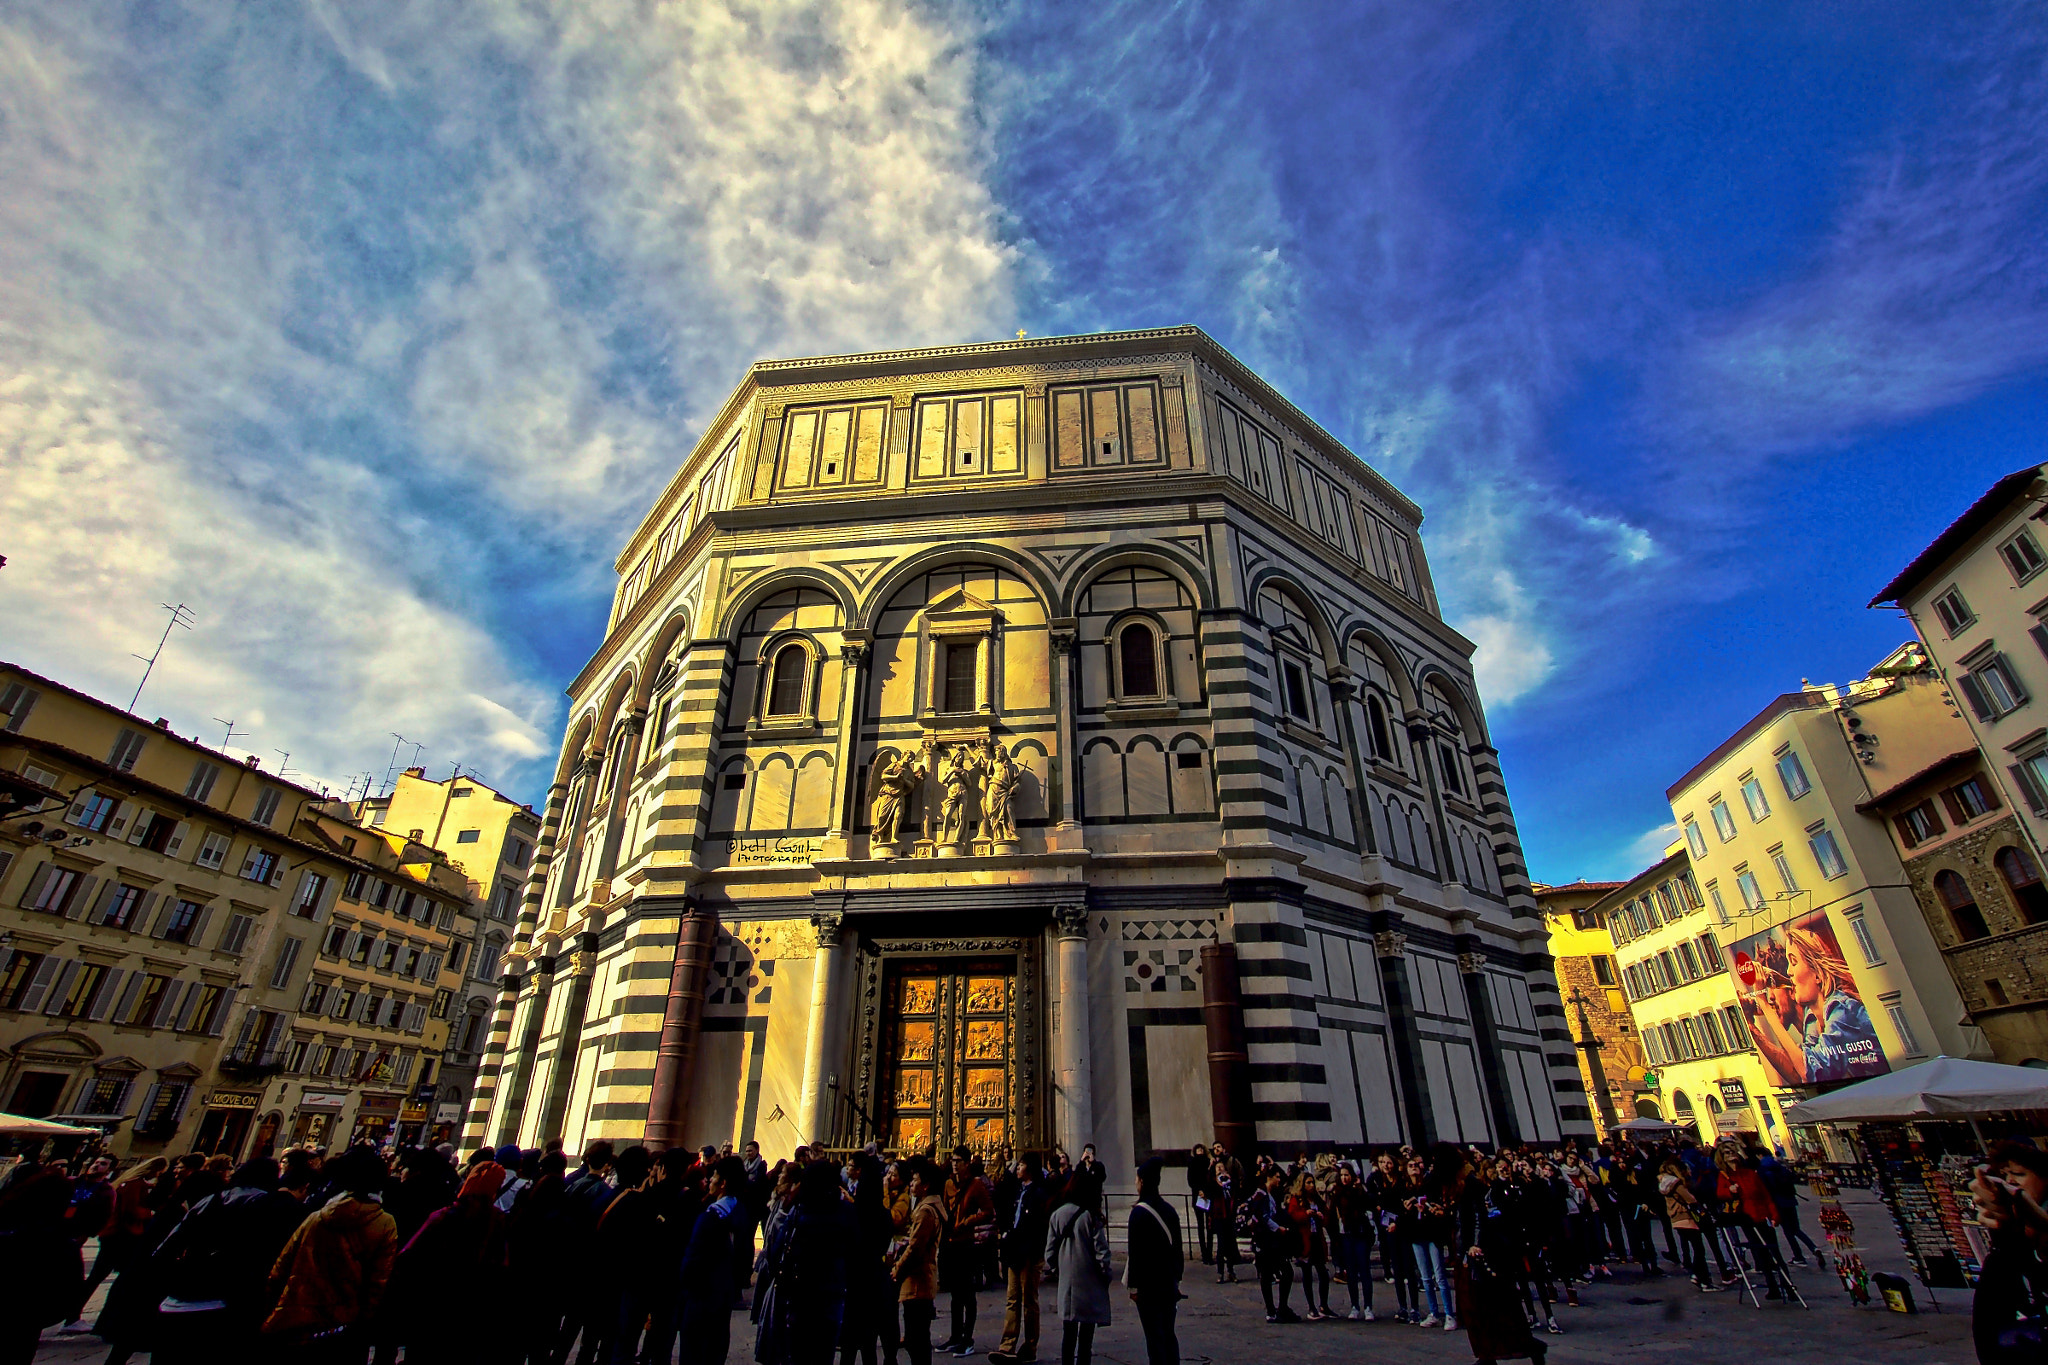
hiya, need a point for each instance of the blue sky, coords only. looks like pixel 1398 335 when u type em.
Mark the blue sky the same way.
pixel 369 329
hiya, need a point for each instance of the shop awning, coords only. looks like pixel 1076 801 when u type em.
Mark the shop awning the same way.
pixel 1646 1125
pixel 1944 1088
pixel 14 1125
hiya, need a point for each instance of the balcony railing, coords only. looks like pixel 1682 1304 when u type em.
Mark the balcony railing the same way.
pixel 251 1059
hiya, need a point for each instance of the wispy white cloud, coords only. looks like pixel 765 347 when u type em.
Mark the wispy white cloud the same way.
pixel 1931 286
pixel 362 322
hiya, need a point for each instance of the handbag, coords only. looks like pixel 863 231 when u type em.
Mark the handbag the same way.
pixel 1154 1214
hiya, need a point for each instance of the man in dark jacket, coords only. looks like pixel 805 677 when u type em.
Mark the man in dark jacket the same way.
pixel 1155 1266
pixel 628 1243
pixel 1023 1255
pixel 216 1266
pixel 587 1309
pixel 1272 1244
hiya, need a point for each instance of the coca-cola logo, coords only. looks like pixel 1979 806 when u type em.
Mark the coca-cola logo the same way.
pixel 1745 970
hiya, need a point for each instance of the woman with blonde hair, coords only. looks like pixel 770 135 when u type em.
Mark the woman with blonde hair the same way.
pixel 1835 1039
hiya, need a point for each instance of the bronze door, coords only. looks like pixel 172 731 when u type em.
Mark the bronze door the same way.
pixel 950 1046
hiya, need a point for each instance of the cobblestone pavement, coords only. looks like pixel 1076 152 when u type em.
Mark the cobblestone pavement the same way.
pixel 1658 1320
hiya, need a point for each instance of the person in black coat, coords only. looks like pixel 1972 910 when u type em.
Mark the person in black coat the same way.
pixel 709 1274
pixel 1485 1249
pixel 1153 1275
pixel 215 1268
pixel 40 1266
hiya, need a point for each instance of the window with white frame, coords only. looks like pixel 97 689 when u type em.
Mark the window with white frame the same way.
pixel 213 850
pixel 1784 866
pixel 1955 613
pixel 1694 840
pixel 2022 556
pixel 1753 797
pixel 1859 929
pixel 1907 1041
pixel 1792 773
pixel 1752 894
pixel 1724 823
pixel 1720 906
pixel 1827 854
pixel 127 748
pixel 1991 687
pixel 266 806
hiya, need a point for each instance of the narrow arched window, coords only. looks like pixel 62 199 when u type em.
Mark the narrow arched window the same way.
pixel 786 690
pixel 1139 661
pixel 1961 905
pixel 2024 879
pixel 1376 729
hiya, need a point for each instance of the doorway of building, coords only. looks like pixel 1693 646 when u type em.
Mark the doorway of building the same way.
pixel 949 1044
pixel 38 1093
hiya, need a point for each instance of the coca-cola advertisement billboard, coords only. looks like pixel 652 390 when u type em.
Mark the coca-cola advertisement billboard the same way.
pixel 1805 1012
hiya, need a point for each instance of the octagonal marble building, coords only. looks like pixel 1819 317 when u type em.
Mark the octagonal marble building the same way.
pixel 1031 743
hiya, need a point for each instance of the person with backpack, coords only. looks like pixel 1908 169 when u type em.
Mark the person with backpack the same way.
pixel 215 1268
pixel 1077 1244
pixel 802 1308
pixel 708 1279
pixel 1153 1271
pixel 1272 1234
pixel 1784 1188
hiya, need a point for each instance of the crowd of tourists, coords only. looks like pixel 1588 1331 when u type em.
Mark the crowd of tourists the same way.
pixel 510 1257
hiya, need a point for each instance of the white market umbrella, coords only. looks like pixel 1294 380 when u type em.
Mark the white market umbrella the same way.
pixel 1943 1088
pixel 1648 1125
pixel 14 1125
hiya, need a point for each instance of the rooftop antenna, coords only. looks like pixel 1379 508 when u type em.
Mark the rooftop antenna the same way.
pixel 392 767
pixel 417 750
pixel 179 615
pixel 284 762
pixel 229 737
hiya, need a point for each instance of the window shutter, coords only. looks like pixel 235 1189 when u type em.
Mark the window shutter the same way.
pixel 39 984
pixel 141 824
pixel 56 996
pixel 273 1037
pixel 103 999
pixel 80 899
pixel 167 1008
pixel 2012 680
pixel 177 839
pixel 99 911
pixel 128 994
pixel 277 873
pixel 192 995
pixel 220 1015
pixel 148 1099
pixel 286 956
pixel 20 701
pixel 2030 788
pixel 36 884
pixel 2039 635
pixel 197 935
pixel 248 862
pixel 77 811
pixel 177 1113
pixel 122 814
pixel 1956 813
pixel 337 1011
pixel 1973 692
pixel 163 921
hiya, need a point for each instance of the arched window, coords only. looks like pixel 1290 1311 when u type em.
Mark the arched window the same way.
pixel 1376 730
pixel 786 688
pixel 1962 906
pixel 1138 660
pixel 2024 880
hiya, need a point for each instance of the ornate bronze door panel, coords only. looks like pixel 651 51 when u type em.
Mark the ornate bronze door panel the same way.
pixel 950 1053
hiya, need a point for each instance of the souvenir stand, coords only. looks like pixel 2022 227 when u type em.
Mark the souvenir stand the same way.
pixel 1921 1130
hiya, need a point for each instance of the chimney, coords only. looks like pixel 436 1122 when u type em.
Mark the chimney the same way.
pixel 162 724
pixel 415 772
pixel 418 836
pixel 253 761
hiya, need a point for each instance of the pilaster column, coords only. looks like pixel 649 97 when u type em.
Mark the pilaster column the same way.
pixel 1472 971
pixel 1390 947
pixel 512 1112
pixel 675 1062
pixel 1066 807
pixel 854 649
pixel 1345 691
pixel 625 759
pixel 569 1043
pixel 1075 1116
pixel 1422 737
pixel 812 1121
pixel 483 1094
